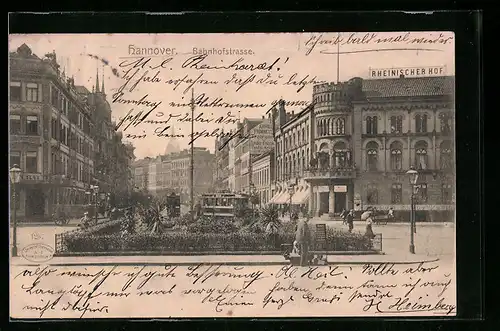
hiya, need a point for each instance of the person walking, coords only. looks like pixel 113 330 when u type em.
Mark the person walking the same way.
pixel 369 228
pixel 303 239
pixel 350 220
pixel 343 215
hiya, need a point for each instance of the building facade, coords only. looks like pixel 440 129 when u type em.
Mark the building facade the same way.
pixel 140 169
pixel 51 136
pixel 255 139
pixel 171 173
pixel 352 147
pixel 263 176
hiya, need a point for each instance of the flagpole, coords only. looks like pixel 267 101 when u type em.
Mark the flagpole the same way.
pixel 191 193
pixel 338 57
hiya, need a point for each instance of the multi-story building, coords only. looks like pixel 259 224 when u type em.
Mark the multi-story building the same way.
pixel 51 136
pixel 140 170
pixel 263 176
pixel 171 173
pixel 256 138
pixel 352 147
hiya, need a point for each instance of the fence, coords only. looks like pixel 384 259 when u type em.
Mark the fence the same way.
pixel 60 238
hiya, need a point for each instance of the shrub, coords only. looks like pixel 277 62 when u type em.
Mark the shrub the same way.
pixel 205 241
pixel 212 225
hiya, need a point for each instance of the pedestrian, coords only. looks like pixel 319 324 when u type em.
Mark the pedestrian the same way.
pixel 390 214
pixel 303 239
pixel 369 228
pixel 343 215
pixel 350 220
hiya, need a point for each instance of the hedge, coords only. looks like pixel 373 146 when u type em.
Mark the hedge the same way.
pixel 204 242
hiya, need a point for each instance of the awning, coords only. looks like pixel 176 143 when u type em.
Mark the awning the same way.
pixel 300 197
pixel 284 198
pixel 277 197
pixel 274 197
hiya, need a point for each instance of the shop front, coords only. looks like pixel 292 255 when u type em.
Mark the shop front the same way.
pixel 331 199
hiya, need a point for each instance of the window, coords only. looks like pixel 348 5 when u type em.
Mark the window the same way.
pixel 372 194
pixel 396 156
pixel 421 193
pixel 445 119
pixel 15 124
pixel 340 126
pixel 340 153
pixel 421 123
pixel 446 193
pixel 371 125
pixel 15 91
pixel 372 156
pixel 54 97
pixel 32 92
pixel 32 125
pixel 396 193
pixel 31 162
pixel 15 158
pixel 445 155
pixel 396 124
pixel 54 128
pixel 421 155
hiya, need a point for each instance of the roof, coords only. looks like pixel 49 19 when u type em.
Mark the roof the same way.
pixel 409 87
pixel 81 89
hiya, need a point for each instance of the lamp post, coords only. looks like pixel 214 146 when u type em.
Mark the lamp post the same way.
pixel 15 178
pixel 95 190
pixel 413 177
pixel 252 196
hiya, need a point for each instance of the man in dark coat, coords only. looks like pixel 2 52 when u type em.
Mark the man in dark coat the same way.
pixel 303 239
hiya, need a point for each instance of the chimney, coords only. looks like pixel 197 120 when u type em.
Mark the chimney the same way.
pixel 293 113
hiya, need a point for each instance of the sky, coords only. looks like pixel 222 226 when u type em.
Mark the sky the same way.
pixel 249 69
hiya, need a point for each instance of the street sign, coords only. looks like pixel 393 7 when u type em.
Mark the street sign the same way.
pixel 379 73
pixel 32 177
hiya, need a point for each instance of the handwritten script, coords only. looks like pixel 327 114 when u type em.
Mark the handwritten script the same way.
pixel 425 288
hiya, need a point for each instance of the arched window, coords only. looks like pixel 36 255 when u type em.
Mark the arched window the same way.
pixel 340 153
pixel 445 120
pixel 372 194
pixel 421 155
pixel 396 156
pixel 372 156
pixel 330 126
pixel 421 192
pixel 340 126
pixel 320 128
pixel 396 193
pixel 371 125
pixel 421 123
pixel 303 136
pixel 396 124
pixel 445 155
pixel 446 193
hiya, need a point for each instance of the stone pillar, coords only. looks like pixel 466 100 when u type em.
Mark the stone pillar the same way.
pixel 311 200
pixel 318 203
pixel 331 201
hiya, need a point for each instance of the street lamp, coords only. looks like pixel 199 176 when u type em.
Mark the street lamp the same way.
pixel 15 178
pixel 252 196
pixel 95 190
pixel 413 177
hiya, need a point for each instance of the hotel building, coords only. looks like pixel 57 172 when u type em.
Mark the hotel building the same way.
pixel 352 146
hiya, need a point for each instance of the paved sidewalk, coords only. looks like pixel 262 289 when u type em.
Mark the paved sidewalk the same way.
pixel 221 259
pixel 72 223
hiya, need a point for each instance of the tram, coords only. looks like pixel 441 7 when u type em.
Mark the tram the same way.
pixel 223 205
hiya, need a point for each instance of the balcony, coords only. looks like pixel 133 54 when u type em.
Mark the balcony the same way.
pixel 330 173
